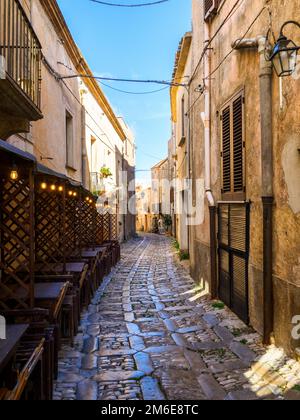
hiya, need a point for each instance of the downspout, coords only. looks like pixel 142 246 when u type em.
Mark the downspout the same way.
pixel 265 75
pixel 84 166
pixel 206 118
pixel 267 186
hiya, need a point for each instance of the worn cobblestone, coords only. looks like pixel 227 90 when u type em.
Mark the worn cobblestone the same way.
pixel 150 334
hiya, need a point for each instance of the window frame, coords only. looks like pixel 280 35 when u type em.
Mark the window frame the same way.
pixel 70 160
pixel 233 195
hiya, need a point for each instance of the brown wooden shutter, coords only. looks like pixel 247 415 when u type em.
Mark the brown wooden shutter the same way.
pixel 238 145
pixel 233 149
pixel 210 8
pixel 208 4
pixel 226 149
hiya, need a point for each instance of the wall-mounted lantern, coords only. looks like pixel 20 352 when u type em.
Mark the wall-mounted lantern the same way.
pixel 285 53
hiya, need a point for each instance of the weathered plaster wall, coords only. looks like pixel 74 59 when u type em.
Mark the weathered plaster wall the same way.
pixel 47 136
pixel 181 130
pixel 241 70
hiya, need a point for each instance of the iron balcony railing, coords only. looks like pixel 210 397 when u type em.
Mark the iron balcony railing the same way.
pixel 21 50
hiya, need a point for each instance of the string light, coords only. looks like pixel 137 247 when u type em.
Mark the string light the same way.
pixel 60 188
pixel 43 186
pixel 14 173
pixel 70 193
pixel 74 194
pixel 53 187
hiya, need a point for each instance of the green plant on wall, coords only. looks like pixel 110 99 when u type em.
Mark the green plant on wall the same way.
pixel 167 220
pixel 105 172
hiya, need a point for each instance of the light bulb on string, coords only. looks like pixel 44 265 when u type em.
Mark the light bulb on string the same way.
pixel 14 175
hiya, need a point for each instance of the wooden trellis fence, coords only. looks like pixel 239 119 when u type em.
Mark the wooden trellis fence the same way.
pixel 88 216
pixel 16 231
pixel 44 219
pixel 49 220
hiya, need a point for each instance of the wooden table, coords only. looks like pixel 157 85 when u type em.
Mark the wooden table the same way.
pixel 78 271
pixel 90 253
pixel 8 347
pixel 71 268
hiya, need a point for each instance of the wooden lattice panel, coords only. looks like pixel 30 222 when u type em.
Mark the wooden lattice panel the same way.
pixel 16 244
pixel 49 227
pixel 99 229
pixel 72 224
pixel 106 227
pixel 88 224
pixel 114 227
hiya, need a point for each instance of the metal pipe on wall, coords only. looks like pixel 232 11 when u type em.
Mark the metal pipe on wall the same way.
pixel 267 185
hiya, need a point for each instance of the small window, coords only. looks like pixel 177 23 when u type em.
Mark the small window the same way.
pixel 183 117
pixel 70 158
pixel 210 8
pixel 233 149
pixel 93 154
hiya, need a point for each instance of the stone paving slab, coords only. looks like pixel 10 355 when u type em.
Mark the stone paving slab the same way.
pixel 149 334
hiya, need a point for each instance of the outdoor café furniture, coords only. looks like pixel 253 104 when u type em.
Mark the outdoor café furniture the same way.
pixel 78 271
pixel 8 347
pixel 105 258
pixel 39 328
pixel 68 320
pixel 16 357
pixel 96 270
pixel 51 296
pixel 30 372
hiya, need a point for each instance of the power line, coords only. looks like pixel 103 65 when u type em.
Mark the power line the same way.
pixel 228 54
pixel 240 40
pixel 134 93
pixel 207 46
pixel 106 3
pixel 112 79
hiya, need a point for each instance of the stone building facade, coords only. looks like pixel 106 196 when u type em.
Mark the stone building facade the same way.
pixel 72 128
pixel 244 143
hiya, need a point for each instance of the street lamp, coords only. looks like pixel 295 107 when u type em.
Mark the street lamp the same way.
pixel 285 52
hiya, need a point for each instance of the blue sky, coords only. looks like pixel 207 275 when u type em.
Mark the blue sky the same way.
pixel 133 43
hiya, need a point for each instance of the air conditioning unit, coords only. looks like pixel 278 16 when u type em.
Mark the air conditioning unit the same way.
pixel 210 8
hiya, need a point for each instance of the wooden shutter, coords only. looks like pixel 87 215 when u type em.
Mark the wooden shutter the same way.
pixel 226 149
pixel 233 149
pixel 210 8
pixel 208 4
pixel 238 146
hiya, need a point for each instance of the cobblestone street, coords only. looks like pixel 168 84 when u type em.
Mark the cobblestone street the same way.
pixel 150 334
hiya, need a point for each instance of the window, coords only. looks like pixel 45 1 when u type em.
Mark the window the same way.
pixel 70 159
pixel 233 149
pixel 183 117
pixel 93 154
pixel 210 8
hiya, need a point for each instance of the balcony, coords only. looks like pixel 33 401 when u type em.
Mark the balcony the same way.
pixel 96 183
pixel 20 70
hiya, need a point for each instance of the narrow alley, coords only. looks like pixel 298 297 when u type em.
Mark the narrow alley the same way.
pixel 150 334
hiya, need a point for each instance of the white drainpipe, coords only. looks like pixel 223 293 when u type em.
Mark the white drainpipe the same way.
pixel 206 118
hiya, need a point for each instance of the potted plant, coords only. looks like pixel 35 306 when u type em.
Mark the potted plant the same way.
pixel 105 172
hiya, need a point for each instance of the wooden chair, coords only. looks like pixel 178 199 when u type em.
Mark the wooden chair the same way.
pixel 40 329
pixel 29 356
pixel 67 323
